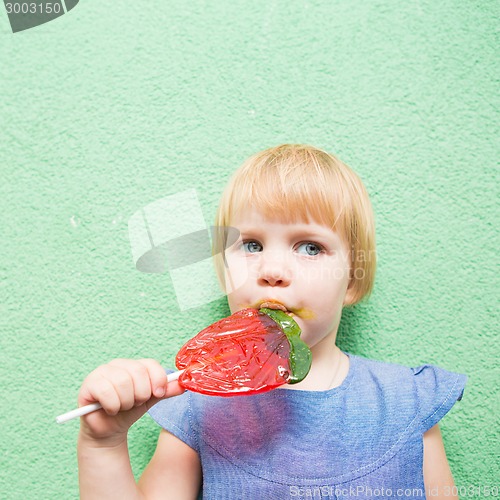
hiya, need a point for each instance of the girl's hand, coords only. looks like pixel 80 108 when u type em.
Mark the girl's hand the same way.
pixel 126 389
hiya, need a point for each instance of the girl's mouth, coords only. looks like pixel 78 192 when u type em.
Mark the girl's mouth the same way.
pixel 271 304
pixel 304 313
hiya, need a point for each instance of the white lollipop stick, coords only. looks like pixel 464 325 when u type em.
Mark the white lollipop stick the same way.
pixel 83 410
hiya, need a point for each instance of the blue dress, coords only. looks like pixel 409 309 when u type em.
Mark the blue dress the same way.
pixel 362 439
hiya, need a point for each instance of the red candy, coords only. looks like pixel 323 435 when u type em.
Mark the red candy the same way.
pixel 246 353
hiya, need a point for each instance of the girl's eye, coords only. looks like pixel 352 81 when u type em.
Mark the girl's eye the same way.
pixel 309 248
pixel 252 246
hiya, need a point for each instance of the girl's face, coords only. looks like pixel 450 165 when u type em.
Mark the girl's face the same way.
pixel 304 267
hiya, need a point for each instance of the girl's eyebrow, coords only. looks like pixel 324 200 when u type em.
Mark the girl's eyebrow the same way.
pixel 316 231
pixel 298 231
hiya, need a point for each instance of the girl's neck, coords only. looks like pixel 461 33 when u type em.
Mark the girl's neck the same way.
pixel 328 370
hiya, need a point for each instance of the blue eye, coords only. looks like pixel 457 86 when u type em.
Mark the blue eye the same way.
pixel 309 248
pixel 252 246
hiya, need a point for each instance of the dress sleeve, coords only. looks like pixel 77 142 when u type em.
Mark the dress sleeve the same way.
pixel 438 390
pixel 175 416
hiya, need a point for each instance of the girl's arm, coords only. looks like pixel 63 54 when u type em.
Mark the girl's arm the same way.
pixel 126 389
pixel 437 474
pixel 173 472
pixel 104 471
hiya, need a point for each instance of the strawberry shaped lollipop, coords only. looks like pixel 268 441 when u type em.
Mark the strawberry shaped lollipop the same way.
pixel 249 352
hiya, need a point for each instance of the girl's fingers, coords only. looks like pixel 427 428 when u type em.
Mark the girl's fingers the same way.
pixel 123 384
pixel 140 379
pixel 157 377
pixel 93 387
pixel 104 392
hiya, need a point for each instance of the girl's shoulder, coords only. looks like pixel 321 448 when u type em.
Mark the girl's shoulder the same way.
pixel 428 391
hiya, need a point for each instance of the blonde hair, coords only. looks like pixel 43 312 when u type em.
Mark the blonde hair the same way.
pixel 295 182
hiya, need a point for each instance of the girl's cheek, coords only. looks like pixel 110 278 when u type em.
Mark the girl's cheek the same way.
pixel 238 272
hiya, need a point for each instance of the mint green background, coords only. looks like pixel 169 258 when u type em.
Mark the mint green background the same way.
pixel 116 105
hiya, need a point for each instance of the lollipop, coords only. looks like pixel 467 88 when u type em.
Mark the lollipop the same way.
pixel 249 352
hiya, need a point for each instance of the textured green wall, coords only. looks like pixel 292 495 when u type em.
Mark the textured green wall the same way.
pixel 118 104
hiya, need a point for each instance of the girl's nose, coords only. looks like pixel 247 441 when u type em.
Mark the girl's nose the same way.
pixel 274 271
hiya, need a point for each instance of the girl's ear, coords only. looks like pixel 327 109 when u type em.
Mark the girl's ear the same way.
pixel 350 296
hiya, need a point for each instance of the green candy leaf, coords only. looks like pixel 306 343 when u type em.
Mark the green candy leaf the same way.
pixel 300 354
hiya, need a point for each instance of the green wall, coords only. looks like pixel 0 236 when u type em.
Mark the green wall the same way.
pixel 115 105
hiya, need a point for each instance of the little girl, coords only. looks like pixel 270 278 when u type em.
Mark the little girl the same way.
pixel 352 428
